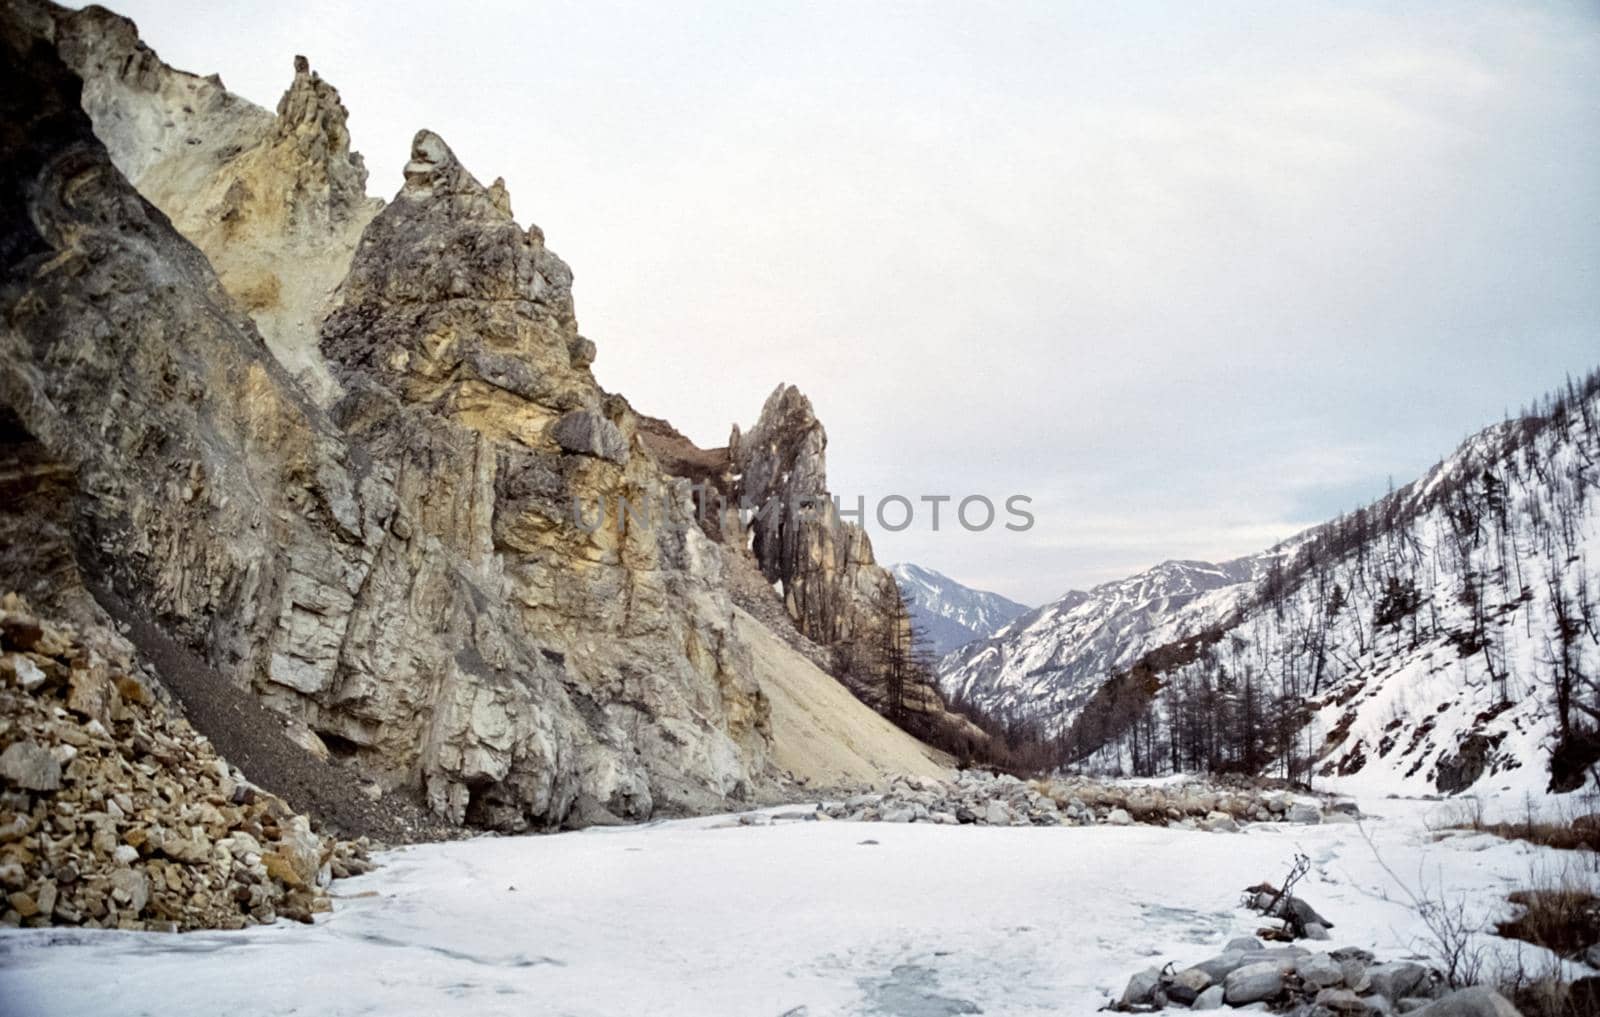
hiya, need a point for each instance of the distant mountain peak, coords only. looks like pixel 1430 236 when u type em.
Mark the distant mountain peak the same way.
pixel 950 613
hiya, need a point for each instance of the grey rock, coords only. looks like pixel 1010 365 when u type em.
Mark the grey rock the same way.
pixel 1187 985
pixel 1141 988
pixel 587 433
pixel 1211 999
pixel 1352 953
pixel 1479 1001
pixel 1219 822
pixel 1355 973
pixel 1253 982
pixel 30 766
pixel 1242 944
pixel 1221 966
pixel 28 674
pixel 1396 979
pixel 1315 930
pixel 1119 817
pixel 1319 970
pixel 131 888
pixel 1305 813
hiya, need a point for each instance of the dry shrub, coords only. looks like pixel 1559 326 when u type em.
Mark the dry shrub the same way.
pixel 1564 919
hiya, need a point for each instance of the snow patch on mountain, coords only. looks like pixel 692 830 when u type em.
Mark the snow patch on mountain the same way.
pixel 949 613
pixel 1046 663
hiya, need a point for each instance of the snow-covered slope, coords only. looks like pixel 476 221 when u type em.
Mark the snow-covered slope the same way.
pixel 951 614
pixel 1445 636
pixel 1046 664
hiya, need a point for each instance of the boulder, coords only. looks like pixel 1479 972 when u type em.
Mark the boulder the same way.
pixel 1141 988
pixel 1319 970
pixel 1187 985
pixel 997 814
pixel 1305 813
pixel 1355 973
pixel 1219 822
pixel 30 766
pixel 1242 944
pixel 1211 999
pixel 1478 1001
pixel 1119 817
pixel 28 674
pixel 1397 978
pixel 1222 965
pixel 1253 983
pixel 131 889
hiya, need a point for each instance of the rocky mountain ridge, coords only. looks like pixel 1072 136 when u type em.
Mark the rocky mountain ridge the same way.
pixel 1047 663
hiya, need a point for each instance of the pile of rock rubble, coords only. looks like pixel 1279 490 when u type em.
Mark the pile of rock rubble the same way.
pixel 115 813
pixel 1291 979
pixel 975 796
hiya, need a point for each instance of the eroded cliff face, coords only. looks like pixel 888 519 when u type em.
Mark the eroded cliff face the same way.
pixel 390 561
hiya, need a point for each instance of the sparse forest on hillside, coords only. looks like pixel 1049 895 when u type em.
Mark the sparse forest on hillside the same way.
pixel 1475 586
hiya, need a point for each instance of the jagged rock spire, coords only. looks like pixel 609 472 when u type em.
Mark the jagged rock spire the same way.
pixel 313 120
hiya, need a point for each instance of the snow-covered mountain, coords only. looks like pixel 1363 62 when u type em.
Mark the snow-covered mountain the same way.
pixel 951 614
pixel 1445 634
pixel 1046 664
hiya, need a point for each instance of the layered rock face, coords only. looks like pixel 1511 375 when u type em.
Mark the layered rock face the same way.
pixel 393 562
pixel 456 338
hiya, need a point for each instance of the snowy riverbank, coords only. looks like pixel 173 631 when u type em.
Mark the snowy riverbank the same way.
pixel 699 918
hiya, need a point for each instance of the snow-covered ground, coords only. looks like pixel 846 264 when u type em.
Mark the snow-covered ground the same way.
pixel 703 918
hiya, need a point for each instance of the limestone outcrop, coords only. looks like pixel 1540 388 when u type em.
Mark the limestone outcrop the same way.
pixel 392 563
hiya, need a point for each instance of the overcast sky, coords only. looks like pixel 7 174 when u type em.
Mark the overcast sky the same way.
pixel 1190 276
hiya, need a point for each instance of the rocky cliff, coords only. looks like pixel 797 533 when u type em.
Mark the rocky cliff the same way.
pixel 823 566
pixel 797 564
pixel 390 560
